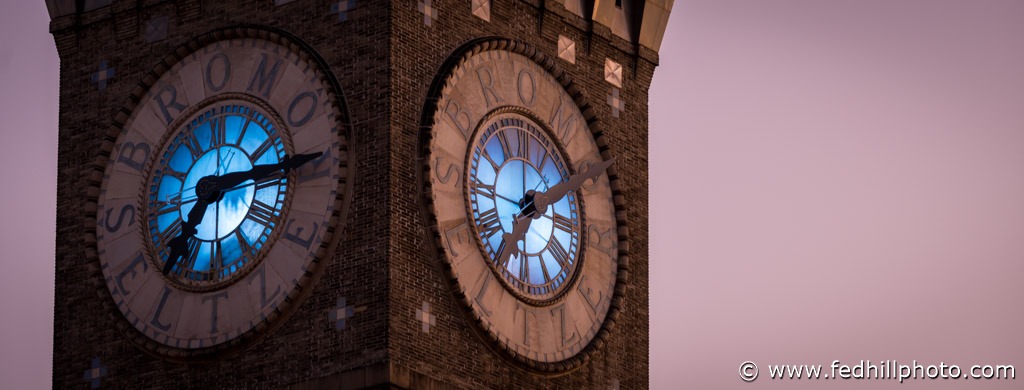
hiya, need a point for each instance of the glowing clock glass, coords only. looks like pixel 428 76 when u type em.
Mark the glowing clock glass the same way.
pixel 226 138
pixel 512 159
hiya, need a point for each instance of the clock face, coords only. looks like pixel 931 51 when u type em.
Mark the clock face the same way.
pixel 521 198
pixel 232 136
pixel 220 194
pixel 512 156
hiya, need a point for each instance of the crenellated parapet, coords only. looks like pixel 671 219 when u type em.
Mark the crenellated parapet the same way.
pixel 58 8
pixel 637 21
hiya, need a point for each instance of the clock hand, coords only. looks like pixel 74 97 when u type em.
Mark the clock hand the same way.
pixel 541 200
pixel 223 164
pixel 210 188
pixel 506 199
pixel 258 172
pixel 528 200
pixel 179 244
pixel 295 163
pixel 520 226
pixel 226 190
pixel 509 244
pixel 177 198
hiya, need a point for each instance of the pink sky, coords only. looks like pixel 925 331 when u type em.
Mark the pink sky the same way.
pixel 829 180
pixel 837 180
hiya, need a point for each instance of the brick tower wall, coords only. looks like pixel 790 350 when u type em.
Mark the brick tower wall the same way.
pixel 307 345
pixel 451 352
pixel 384 58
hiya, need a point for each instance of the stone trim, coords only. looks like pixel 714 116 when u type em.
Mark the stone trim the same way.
pixel 456 59
pixel 331 235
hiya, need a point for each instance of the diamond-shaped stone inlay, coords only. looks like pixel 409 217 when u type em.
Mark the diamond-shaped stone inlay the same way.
pixel 341 8
pixel 156 29
pixel 482 9
pixel 617 104
pixel 94 373
pixel 341 314
pixel 423 315
pixel 566 49
pixel 613 72
pixel 429 12
pixel 102 75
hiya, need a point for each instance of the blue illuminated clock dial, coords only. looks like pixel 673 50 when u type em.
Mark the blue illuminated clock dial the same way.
pixel 236 226
pixel 511 157
pixel 220 197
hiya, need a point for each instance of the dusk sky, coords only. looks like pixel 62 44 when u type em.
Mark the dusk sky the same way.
pixel 830 180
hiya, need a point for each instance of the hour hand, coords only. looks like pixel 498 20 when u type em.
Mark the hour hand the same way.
pixel 179 244
pixel 179 249
pixel 510 241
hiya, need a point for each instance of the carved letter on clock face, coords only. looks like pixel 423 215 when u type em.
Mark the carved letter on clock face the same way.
pixel 220 193
pixel 509 144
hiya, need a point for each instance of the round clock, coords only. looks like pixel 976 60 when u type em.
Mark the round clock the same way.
pixel 521 198
pixel 221 193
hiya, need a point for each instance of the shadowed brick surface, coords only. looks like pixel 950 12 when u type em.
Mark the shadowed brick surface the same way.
pixel 385 56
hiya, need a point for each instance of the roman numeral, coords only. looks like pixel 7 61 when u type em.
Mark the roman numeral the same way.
pixel 501 256
pixel 524 268
pixel 218 131
pixel 482 189
pixel 165 208
pixel 216 260
pixel 261 213
pixel 171 231
pixel 172 173
pixel 558 252
pixel 192 144
pixel 244 245
pixel 241 133
pixel 524 144
pixel 563 223
pixel 268 182
pixel 487 156
pixel 264 147
pixel 544 158
pixel 193 255
pixel 506 144
pixel 489 222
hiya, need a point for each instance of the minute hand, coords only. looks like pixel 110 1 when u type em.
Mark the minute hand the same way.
pixel 230 180
pixel 542 199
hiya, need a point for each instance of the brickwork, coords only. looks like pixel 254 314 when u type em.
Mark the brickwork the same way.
pixel 384 58
pixel 453 352
pixel 307 345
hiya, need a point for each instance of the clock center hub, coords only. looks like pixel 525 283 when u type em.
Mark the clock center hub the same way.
pixel 518 179
pixel 226 208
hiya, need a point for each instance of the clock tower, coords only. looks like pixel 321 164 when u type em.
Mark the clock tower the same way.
pixel 341 194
